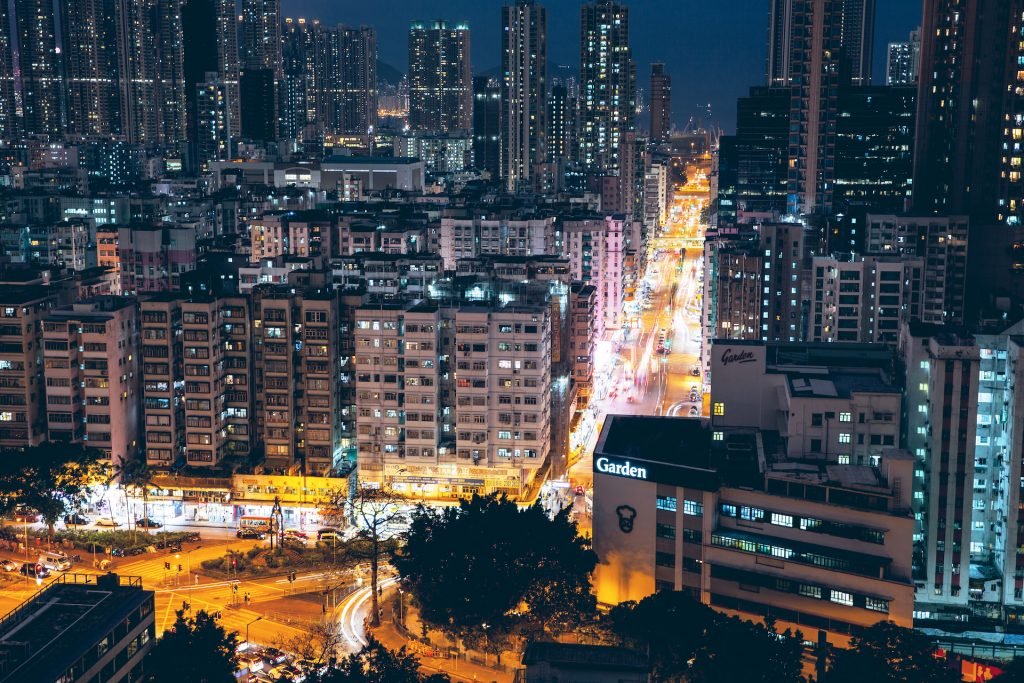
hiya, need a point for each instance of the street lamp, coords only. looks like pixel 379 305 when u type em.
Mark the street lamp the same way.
pixel 401 606
pixel 485 626
pixel 247 631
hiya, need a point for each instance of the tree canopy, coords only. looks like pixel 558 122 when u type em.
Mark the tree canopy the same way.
pixel 51 478
pixel 488 568
pixel 688 641
pixel 196 649
pixel 887 653
pixel 377 664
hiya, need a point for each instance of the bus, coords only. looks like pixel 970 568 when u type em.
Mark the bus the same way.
pixel 261 524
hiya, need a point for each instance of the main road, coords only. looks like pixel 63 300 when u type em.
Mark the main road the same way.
pixel 643 376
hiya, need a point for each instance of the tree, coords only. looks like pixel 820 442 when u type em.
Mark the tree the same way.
pixel 669 626
pixel 318 643
pixel 50 478
pixel 195 649
pixel 887 653
pixel 377 664
pixel 736 650
pixel 376 513
pixel 135 473
pixel 487 569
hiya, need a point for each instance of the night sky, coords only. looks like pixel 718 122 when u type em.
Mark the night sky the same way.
pixel 714 49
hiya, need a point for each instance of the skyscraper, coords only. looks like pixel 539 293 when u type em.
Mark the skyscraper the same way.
pixel 524 90
pixel 260 56
pixel 854 33
pixel 661 103
pixel 39 66
pixel 357 49
pixel 970 110
pixel 814 77
pixel 487 125
pixel 302 66
pixel 560 118
pixel 902 60
pixel 608 83
pixel 90 46
pixel 8 120
pixel 440 77
pixel 210 37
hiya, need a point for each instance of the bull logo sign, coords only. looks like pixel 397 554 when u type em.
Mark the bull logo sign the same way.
pixel 626 516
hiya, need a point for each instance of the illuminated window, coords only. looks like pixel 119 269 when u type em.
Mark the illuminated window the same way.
pixel 719 409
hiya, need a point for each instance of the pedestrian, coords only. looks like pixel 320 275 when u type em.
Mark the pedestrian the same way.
pixel 197 579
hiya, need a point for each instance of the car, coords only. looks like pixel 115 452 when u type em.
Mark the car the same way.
pixel 328 535
pixel 75 519
pixel 174 546
pixel 24 514
pixel 107 521
pixel 273 656
pixel 147 523
pixel 251 534
pixel 579 490
pixel 695 371
pixel 29 569
pixel 8 566
pixel 694 412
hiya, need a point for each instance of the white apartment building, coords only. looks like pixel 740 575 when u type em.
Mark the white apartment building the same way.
pixel 964 405
pixel 22 413
pixel 268 236
pixel 863 298
pixel 469 237
pixel 656 197
pixel 452 401
pixel 596 249
pixel 91 363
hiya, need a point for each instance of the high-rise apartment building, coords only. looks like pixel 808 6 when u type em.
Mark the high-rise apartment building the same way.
pixel 487 125
pixel 561 120
pixel 9 123
pixel 259 34
pixel 863 298
pixel 91 363
pixel 210 32
pixel 524 91
pixel 440 77
pixel 942 242
pixel 91 57
pixel 607 83
pixel 855 33
pixel 942 409
pixel 478 234
pixel 303 74
pixel 968 152
pixel 487 429
pixel 350 86
pixel 661 103
pixel 39 63
pixel 874 144
pixel 22 394
pixel 903 61
pixel 296 377
pixel 596 249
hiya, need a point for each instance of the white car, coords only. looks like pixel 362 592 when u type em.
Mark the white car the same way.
pixel 106 521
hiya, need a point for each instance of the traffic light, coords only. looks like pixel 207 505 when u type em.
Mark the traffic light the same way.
pixel 234 588
pixel 179 568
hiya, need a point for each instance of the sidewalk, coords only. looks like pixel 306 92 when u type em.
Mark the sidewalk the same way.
pixel 468 668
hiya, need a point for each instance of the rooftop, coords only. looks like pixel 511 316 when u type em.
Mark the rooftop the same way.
pixel 837 382
pixel 371 161
pixel 48 633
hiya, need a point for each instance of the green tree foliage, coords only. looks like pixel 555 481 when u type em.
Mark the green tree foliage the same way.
pixel 196 650
pixel 688 641
pixel 51 478
pixel 377 664
pixel 668 625
pixel 887 653
pixel 487 569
